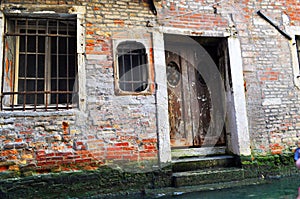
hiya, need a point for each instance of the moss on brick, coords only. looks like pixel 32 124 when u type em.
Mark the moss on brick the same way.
pixel 268 166
pixel 83 183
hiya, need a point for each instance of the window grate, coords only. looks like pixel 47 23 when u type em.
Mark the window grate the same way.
pixel 40 64
pixel 298 48
pixel 54 2
pixel 132 66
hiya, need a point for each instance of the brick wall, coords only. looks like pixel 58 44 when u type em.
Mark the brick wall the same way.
pixel 272 97
pixel 123 128
pixel 113 130
pixel 196 15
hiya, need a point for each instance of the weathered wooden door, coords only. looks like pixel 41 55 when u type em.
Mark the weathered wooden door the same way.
pixel 192 121
pixel 189 101
pixel 176 105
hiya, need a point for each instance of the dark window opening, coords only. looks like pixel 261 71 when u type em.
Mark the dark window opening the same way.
pixel 40 64
pixel 298 48
pixel 132 66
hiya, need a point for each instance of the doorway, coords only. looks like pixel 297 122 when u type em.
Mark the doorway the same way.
pixel 197 76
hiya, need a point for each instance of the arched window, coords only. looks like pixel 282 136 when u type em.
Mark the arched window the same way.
pixel 132 67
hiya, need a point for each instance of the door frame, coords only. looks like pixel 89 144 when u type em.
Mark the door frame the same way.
pixel 239 140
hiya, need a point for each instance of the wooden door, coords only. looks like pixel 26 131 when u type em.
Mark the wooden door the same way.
pixel 188 101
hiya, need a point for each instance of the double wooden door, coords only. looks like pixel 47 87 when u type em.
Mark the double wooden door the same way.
pixel 189 102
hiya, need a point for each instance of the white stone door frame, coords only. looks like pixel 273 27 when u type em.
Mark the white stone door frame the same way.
pixel 240 139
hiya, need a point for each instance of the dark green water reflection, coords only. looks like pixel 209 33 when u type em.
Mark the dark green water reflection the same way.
pixel 283 188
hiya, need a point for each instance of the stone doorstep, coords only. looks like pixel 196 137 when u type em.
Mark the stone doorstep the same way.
pixel 207 176
pixel 196 163
pixel 195 159
pixel 193 152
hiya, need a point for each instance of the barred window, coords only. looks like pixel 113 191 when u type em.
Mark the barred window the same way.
pixel 40 63
pixel 298 48
pixel 132 67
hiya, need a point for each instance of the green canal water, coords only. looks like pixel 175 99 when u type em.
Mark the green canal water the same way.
pixel 275 188
pixel 282 188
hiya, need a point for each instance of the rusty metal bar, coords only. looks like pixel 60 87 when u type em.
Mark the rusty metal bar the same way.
pixel 44 35
pixel 57 64
pixel 273 24
pixel 25 73
pixel 35 106
pixel 36 92
pixel 68 64
pixel 36 63
pixel 131 68
pixel 28 98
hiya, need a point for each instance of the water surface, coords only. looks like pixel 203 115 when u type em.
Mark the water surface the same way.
pixel 282 188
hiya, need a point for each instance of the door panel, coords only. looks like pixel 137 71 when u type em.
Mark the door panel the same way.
pixel 189 102
pixel 194 122
pixel 202 117
pixel 175 100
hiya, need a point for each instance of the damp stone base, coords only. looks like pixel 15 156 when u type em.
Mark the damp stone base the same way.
pixel 107 181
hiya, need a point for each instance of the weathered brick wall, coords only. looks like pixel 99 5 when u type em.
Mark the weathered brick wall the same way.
pixel 113 130
pixel 120 127
pixel 41 142
pixel 198 15
pixel 123 128
pixel 272 98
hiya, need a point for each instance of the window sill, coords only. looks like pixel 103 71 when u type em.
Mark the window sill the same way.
pixel 31 113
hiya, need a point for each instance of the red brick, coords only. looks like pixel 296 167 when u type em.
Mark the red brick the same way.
pixel 131 148
pixel 19 140
pixel 50 154
pixel 79 143
pixel 64 153
pixel 150 147
pixel 89 32
pixel 3 168
pixel 153 140
pixel 114 148
pixel 54 158
pixel 73 156
pixel 68 161
pixel 83 160
pixel 122 144
pixel 41 158
pixel 83 152
pixel 89 24
pixel 119 22
pixel 118 153
pixel 98 154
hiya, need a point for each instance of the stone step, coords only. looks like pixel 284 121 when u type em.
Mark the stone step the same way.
pixel 207 176
pixel 197 163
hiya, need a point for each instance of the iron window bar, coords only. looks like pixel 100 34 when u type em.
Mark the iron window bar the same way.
pixel 270 21
pixel 38 2
pixel 132 66
pixel 297 38
pixel 51 63
pixel 36 106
